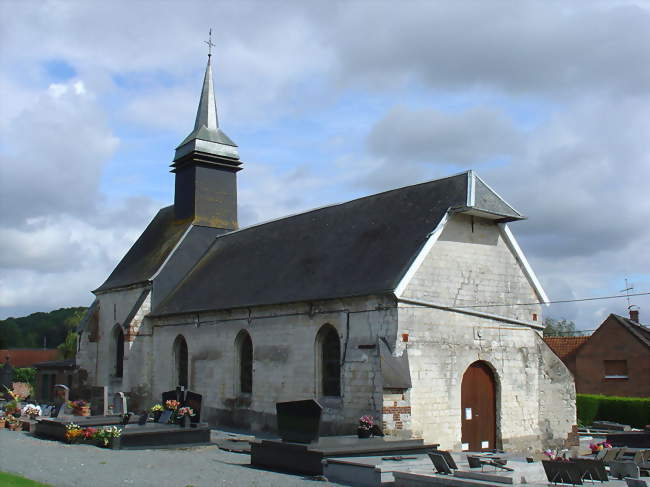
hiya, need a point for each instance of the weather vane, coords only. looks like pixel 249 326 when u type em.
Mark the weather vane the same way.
pixel 210 44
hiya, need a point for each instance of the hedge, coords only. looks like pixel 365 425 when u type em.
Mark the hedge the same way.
pixel 634 411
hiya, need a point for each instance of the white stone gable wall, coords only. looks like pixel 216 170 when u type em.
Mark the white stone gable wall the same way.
pixel 472 264
pixel 98 359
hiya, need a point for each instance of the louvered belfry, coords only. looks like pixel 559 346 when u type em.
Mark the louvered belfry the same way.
pixel 206 165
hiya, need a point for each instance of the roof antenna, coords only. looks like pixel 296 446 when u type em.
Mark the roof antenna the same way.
pixel 210 44
pixel 628 288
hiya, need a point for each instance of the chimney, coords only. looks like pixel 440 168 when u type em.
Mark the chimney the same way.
pixel 634 315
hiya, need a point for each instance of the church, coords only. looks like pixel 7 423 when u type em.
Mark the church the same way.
pixel 371 307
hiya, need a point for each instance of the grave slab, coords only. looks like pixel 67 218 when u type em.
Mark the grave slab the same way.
pixel 134 435
pixel 416 470
pixel 306 458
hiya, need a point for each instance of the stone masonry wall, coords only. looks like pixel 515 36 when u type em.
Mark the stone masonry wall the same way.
pixel 471 264
pixel 284 360
pixel 98 358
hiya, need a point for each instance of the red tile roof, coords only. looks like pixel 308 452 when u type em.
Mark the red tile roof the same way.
pixel 563 346
pixel 26 357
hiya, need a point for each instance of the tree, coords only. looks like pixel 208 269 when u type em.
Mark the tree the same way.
pixel 39 329
pixel 561 327
pixel 69 346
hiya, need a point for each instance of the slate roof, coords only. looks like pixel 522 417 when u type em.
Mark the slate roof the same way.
pixel 565 346
pixel 56 364
pixel 149 252
pixel 642 333
pixel 357 248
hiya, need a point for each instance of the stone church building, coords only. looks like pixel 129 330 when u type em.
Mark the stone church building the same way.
pixel 368 306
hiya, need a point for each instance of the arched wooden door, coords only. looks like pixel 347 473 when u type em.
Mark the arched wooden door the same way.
pixel 478 408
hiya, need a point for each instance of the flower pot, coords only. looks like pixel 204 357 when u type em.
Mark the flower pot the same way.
pixel 363 433
pixel 2 423
pixel 156 415
pixel 184 422
pixel 82 411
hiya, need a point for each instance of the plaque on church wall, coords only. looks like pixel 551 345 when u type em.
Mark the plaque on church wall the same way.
pixel 299 421
pixel 194 400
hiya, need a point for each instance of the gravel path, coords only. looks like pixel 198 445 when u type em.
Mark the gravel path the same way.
pixel 65 465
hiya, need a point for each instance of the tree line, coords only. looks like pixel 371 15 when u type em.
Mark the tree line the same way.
pixel 55 329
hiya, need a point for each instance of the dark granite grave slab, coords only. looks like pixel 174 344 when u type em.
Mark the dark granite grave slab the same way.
pixel 307 458
pixel 55 427
pixel 98 396
pixel 299 421
pixel 162 436
pixel 134 435
pixel 631 439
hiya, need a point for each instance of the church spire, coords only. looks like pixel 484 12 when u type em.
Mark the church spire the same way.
pixel 207 137
pixel 206 165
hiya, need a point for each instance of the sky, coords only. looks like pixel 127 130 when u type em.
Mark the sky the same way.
pixel 549 102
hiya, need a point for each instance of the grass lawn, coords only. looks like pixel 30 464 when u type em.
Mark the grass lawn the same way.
pixel 11 480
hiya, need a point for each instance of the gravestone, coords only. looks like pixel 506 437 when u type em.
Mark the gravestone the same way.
pixel 177 395
pixel 98 400
pixel 299 421
pixel 194 400
pixel 119 403
pixel 6 378
pixel 61 398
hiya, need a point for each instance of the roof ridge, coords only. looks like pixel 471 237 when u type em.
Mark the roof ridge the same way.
pixel 340 203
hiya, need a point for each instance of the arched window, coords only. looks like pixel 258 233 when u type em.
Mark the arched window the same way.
pixel 180 362
pixel 118 340
pixel 328 354
pixel 244 347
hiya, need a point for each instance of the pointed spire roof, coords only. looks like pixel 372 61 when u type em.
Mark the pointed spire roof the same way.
pixel 207 137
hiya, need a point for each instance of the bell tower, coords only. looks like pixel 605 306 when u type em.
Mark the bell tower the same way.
pixel 206 165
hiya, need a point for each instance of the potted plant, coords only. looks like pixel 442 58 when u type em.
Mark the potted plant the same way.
pixel 172 405
pixel 32 411
pixel 3 421
pixel 366 423
pixel 73 433
pixel 156 410
pixel 184 415
pixel 13 423
pixel 80 407
pixel 107 435
pixel 600 446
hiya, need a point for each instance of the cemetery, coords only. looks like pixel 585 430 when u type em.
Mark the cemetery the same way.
pixel 366 459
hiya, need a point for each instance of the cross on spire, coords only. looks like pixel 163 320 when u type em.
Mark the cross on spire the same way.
pixel 210 44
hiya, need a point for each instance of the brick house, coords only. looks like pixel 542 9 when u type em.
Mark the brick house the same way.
pixel 614 360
